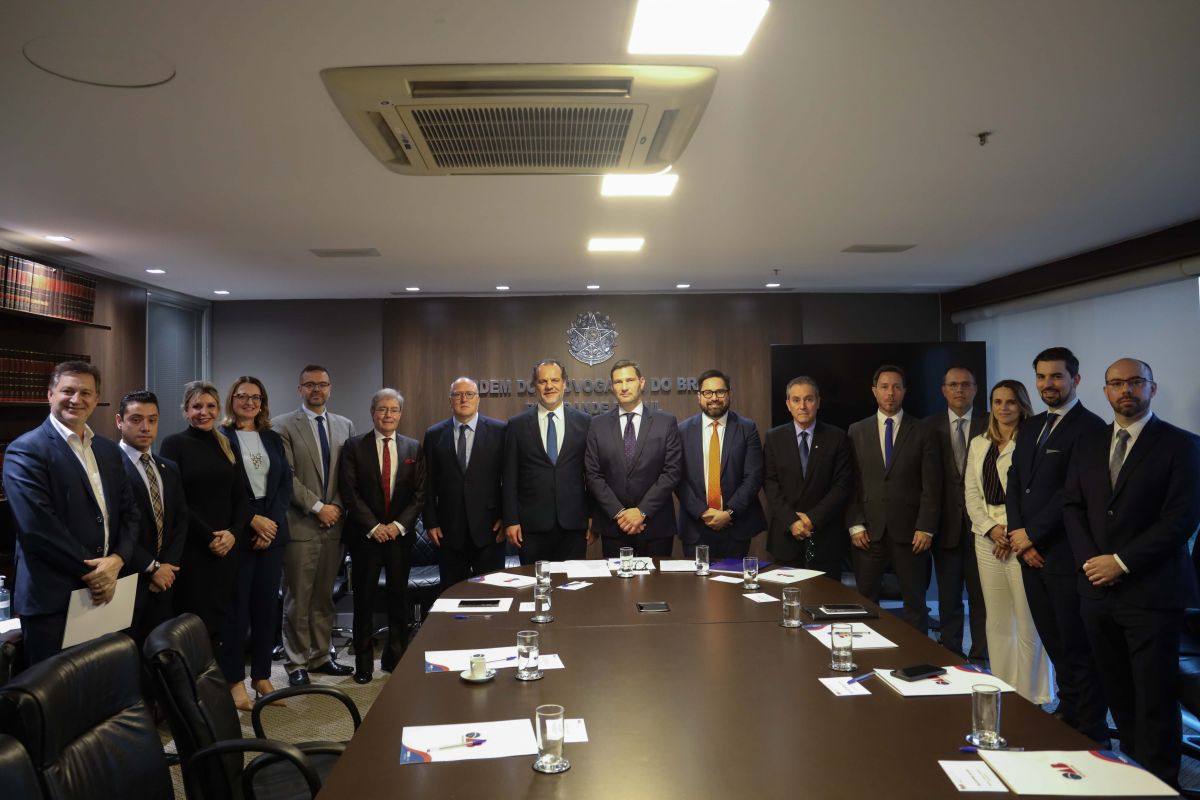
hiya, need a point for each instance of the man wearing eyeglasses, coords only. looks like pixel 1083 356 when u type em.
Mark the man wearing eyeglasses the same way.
pixel 312 441
pixel 1130 506
pixel 722 473
pixel 463 509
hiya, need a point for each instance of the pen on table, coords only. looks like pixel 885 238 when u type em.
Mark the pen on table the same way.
pixel 976 749
pixel 861 678
pixel 472 616
pixel 502 660
pixel 470 743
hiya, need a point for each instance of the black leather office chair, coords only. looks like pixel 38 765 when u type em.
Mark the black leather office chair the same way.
pixel 208 732
pixel 81 718
pixel 17 775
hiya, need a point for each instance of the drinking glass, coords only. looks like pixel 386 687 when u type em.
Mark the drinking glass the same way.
pixel 541 604
pixel 841 641
pixel 527 656
pixel 750 572
pixel 985 717
pixel 701 559
pixel 791 607
pixel 550 733
pixel 625 570
pixel 541 571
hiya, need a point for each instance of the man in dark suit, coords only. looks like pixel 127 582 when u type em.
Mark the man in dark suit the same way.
pixel 162 514
pixel 1038 537
pixel 633 462
pixel 383 485
pixel 546 508
pixel 1131 504
pixel 463 509
pixel 809 480
pixel 722 473
pixel 954 546
pixel 74 511
pixel 897 499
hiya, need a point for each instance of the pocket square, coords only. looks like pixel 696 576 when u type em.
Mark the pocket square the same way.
pixel 410 461
pixel 1050 450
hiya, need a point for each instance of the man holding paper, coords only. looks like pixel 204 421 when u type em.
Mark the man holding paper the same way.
pixel 75 515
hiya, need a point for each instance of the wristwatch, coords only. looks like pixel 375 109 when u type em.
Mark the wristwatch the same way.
pixel 153 568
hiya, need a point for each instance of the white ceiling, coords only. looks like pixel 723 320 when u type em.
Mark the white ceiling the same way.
pixel 847 122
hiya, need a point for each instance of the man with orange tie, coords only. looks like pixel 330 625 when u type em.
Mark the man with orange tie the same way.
pixel 722 473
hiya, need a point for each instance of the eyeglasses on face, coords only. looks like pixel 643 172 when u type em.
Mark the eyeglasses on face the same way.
pixel 1132 383
pixel 248 398
pixel 956 385
pixel 709 394
pixel 463 395
pixel 310 385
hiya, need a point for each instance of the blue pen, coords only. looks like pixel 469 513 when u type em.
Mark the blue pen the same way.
pixel 861 678
pixel 502 660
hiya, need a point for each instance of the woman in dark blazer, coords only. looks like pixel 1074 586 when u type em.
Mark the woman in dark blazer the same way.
pixel 218 511
pixel 267 479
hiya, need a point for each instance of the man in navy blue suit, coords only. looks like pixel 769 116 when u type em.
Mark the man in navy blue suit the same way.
pixel 546 507
pixel 162 513
pixel 722 473
pixel 633 463
pixel 74 511
pixel 1130 507
pixel 1038 536
pixel 464 462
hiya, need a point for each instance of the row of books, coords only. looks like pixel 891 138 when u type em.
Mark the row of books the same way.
pixel 25 374
pixel 41 289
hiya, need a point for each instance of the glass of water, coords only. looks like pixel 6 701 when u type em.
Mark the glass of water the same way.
pixel 625 569
pixel 541 604
pixel 750 572
pixel 791 607
pixel 527 656
pixel 841 646
pixel 985 717
pixel 701 559
pixel 541 570
pixel 551 730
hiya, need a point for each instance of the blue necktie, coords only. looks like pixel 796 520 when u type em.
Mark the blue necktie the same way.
pixel 1051 418
pixel 630 438
pixel 887 443
pixel 551 439
pixel 804 453
pixel 324 458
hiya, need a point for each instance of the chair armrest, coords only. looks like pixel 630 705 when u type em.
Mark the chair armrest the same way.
pixel 272 752
pixel 289 691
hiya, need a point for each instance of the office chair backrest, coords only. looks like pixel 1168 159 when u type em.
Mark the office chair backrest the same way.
pixel 82 720
pixel 17 775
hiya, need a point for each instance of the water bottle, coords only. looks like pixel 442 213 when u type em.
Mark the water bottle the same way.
pixel 5 601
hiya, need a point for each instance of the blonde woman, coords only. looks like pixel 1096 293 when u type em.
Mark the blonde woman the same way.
pixel 1014 647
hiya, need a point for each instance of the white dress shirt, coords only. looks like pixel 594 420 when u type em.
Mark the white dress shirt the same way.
pixel 560 425
pixel 637 419
pixel 880 419
pixel 82 448
pixel 394 461
pixel 470 426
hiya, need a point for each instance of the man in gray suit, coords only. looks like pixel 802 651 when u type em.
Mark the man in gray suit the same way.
pixel 897 498
pixel 312 439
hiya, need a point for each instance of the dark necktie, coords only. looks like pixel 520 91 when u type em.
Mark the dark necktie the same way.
pixel 630 438
pixel 959 445
pixel 324 457
pixel 1051 418
pixel 804 453
pixel 887 443
pixel 1118 456
pixel 462 447
pixel 155 500
pixel 551 439
pixel 385 475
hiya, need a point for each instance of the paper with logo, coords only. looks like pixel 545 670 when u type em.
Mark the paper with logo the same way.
pixel 865 637
pixel 505 579
pixel 468 741
pixel 972 776
pixel 957 680
pixel 1074 773
pixel 497 658
pixel 789 575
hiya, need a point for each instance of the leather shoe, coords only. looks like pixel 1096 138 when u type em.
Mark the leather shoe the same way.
pixel 332 667
pixel 362 676
pixel 298 677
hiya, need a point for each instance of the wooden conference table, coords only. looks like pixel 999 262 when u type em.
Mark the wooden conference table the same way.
pixel 712 699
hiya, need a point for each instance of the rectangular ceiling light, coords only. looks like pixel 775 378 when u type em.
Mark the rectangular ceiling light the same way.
pixel 602 244
pixel 695 27
pixel 658 185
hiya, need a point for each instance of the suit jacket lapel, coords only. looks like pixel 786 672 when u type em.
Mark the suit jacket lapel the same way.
pixel 731 430
pixel 1145 442
pixel 903 435
pixel 140 493
pixel 303 433
pixel 65 452
pixel 642 434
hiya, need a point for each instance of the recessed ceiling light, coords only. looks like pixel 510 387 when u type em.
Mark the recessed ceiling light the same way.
pixel 220 291
pixel 610 244
pixel 683 286
pixel 772 285
pixel 412 288
pixel 593 286
pixel 156 271
pixel 695 27
pixel 658 185
pixel 501 288
pixel 54 237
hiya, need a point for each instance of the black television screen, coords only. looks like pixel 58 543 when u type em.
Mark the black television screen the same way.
pixel 844 371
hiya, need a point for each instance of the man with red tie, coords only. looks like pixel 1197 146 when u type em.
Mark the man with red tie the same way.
pixel 383 487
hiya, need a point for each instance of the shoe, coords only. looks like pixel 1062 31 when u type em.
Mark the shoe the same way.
pixel 241 700
pixel 277 653
pixel 332 667
pixel 298 677
pixel 362 676
pixel 364 668
pixel 262 687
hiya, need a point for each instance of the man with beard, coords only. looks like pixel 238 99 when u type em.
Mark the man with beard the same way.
pixel 722 473
pixel 1038 536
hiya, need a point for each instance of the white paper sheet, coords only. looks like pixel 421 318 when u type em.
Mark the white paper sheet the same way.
pixel 505 579
pixel 676 565
pixel 450 605
pixel 972 776
pixel 575 586
pixel 842 687
pixel 10 625
pixel 574 731
pixel 559 567
pixel 1074 773
pixel 497 658
pixel 789 575
pixel 957 680
pixel 422 744
pixel 86 620
pixel 527 605
pixel 865 637
pixel 597 568
pixel 726 579
pixel 760 597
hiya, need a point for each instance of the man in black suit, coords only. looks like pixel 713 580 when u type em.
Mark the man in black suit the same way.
pixel 809 479
pixel 546 513
pixel 382 477
pixel 897 498
pixel 1131 504
pixel 162 519
pixel 722 473
pixel 954 547
pixel 633 463
pixel 1038 536
pixel 463 510
pixel 73 507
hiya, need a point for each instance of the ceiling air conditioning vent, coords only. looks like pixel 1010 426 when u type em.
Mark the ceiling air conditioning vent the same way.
pixel 566 119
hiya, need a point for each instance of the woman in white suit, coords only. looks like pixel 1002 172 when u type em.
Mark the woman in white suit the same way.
pixel 1014 647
